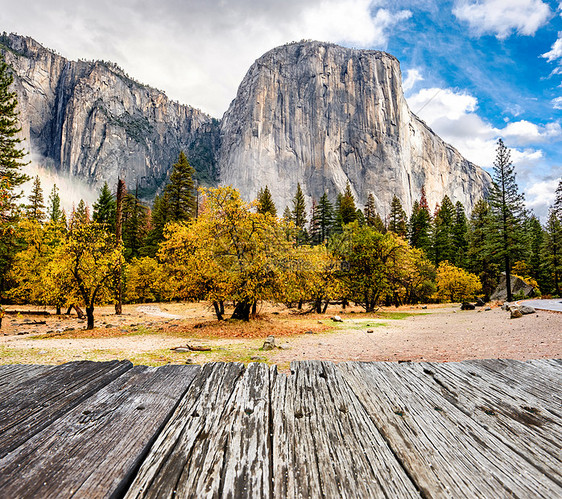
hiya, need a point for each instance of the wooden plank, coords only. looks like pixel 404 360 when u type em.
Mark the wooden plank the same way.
pixel 324 442
pixel 445 452
pixel 542 384
pixel 94 449
pixel 36 403
pixel 13 375
pixel 188 456
pixel 521 423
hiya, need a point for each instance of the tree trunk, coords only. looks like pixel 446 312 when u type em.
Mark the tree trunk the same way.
pixel 58 311
pixel 221 305
pixel 119 239
pixel 90 315
pixel 344 303
pixel 318 306
pixel 508 279
pixel 218 312
pixel 300 305
pixel 254 308
pixel 242 311
pixel 325 306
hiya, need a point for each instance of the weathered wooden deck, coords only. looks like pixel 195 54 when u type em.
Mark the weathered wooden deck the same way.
pixel 488 428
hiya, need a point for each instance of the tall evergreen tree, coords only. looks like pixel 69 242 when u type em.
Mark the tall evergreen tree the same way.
pixel 479 259
pixel 54 210
pixel 534 259
pixel 298 215
pixel 104 209
pixel 553 243
pixel 36 207
pixel 179 194
pixel 420 226
pixel 460 236
pixel 372 218
pixel 507 212
pixel 11 154
pixel 135 222
pixel 322 220
pixel 265 202
pixel 397 221
pixel 80 215
pixel 443 246
pixel 158 220
pixel 346 211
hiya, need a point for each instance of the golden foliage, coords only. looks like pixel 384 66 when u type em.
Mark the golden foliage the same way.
pixel 454 284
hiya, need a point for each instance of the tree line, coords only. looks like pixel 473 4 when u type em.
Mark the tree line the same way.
pixel 209 244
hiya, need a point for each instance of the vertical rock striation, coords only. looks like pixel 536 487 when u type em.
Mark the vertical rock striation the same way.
pixel 323 115
pixel 90 120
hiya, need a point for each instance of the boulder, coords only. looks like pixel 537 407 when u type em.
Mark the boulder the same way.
pixel 516 313
pixel 518 286
pixel 269 343
pixel 468 306
pixel 526 310
pixel 337 318
pixel 480 302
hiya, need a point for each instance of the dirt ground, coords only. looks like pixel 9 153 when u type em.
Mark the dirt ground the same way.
pixel 146 334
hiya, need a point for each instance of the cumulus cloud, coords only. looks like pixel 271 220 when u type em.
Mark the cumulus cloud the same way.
pixel 503 17
pixel 555 52
pixel 198 52
pixel 453 115
pixel 557 103
pixel 541 194
pixel 413 76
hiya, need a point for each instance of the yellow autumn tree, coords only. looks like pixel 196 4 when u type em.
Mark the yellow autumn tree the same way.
pixel 84 267
pixel 455 284
pixel 146 281
pixel 229 252
pixel 29 272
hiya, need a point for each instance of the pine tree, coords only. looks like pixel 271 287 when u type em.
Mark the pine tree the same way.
pixel 372 218
pixel 135 221
pixel 54 211
pixel 80 215
pixel 479 259
pixel 298 215
pixel 265 202
pixel 460 236
pixel 397 221
pixel 36 207
pixel 11 154
pixel 179 194
pixel 552 246
pixel 346 211
pixel 420 226
pixel 104 209
pixel 534 259
pixel 322 220
pixel 507 212
pixel 443 247
pixel 158 220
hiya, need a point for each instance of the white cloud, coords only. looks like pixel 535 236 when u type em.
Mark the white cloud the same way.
pixel 503 17
pixel 452 114
pixel 541 194
pixel 198 52
pixel 557 103
pixel 556 50
pixel 412 77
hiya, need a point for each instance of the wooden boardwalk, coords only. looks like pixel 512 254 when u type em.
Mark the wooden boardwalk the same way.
pixel 489 428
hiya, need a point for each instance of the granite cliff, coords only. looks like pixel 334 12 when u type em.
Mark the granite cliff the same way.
pixel 308 112
pixel 92 121
pixel 322 115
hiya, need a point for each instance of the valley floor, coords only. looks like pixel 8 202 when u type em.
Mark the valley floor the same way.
pixel 147 334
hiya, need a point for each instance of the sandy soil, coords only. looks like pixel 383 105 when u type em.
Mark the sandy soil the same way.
pixel 445 334
pixel 146 335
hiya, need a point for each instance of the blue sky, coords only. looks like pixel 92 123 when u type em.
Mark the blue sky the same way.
pixel 474 70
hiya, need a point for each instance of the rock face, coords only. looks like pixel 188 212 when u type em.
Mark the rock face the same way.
pixel 322 115
pixel 90 120
pixel 310 112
